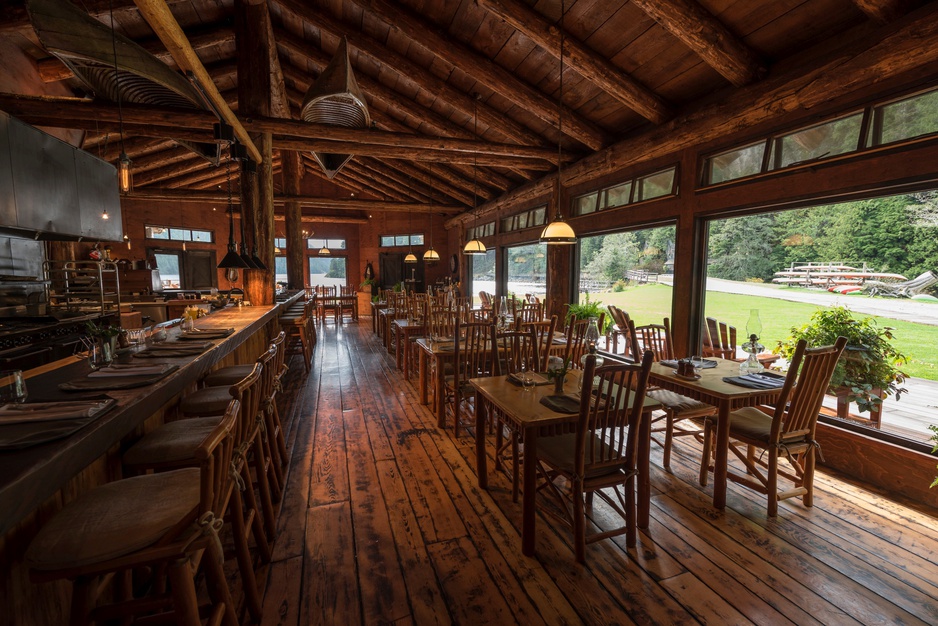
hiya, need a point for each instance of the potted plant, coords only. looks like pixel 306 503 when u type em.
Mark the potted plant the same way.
pixel 587 309
pixel 869 368
pixel 369 285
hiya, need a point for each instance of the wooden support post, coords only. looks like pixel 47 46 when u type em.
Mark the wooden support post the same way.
pixel 293 214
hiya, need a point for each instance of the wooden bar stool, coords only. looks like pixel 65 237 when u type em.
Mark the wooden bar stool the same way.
pixel 207 401
pixel 300 332
pixel 163 523
pixel 228 376
pixel 175 444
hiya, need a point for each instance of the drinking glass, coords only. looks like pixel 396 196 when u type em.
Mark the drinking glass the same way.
pixel 12 386
pixel 527 376
pixel 697 361
pixel 99 355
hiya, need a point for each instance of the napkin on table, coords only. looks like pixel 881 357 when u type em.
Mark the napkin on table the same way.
pixel 128 370
pixel 48 411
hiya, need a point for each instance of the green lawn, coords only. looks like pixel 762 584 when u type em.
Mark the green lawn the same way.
pixel 650 303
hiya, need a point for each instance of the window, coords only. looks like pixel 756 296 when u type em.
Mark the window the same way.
pixel 805 252
pixel 525 219
pixel 482 272
pixel 327 270
pixel 280 269
pixel 626 268
pixel 526 269
pixel 394 241
pixel 897 120
pixel 173 233
pixel 280 242
pixel 169 266
pixel 482 230
pixel 332 244
pixel 648 187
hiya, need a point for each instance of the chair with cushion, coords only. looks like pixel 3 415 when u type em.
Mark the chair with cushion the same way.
pixel 787 430
pixel 601 455
pixel 175 444
pixel 680 411
pixel 157 523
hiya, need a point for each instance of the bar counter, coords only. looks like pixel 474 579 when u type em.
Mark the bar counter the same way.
pixel 36 481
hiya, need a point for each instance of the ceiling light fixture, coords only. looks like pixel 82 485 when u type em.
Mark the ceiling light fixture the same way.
pixel 431 255
pixel 475 247
pixel 411 258
pixel 232 259
pixel 324 250
pixel 123 161
pixel 559 232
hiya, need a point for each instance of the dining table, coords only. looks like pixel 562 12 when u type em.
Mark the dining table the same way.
pixel 523 411
pixel 708 385
pixel 405 329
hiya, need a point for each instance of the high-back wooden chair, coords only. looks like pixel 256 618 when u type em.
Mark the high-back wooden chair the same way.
pixel 576 339
pixel 601 456
pixel 166 522
pixel 620 329
pixel 514 349
pixel 471 360
pixel 787 430
pixel 719 339
pixel 544 336
pixel 683 416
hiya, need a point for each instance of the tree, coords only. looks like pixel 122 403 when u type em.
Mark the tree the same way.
pixel 743 248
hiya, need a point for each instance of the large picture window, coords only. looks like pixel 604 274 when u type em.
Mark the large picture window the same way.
pixel 327 270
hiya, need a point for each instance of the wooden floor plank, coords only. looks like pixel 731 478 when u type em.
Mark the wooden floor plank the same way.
pixel 382 521
pixel 330 590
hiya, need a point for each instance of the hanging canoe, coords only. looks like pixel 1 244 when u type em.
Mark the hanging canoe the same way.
pixel 107 61
pixel 336 99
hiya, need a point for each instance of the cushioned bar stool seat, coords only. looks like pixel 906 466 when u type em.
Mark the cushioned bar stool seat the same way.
pixel 227 376
pixel 206 401
pixel 163 527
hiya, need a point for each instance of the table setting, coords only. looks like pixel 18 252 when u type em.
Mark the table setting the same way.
pixel 27 424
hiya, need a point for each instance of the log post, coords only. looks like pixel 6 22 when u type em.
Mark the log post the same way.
pixel 296 249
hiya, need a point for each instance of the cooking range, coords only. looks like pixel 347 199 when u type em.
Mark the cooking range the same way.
pixel 27 342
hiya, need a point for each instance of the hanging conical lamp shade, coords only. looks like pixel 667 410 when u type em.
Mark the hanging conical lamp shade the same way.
pixel 431 255
pixel 410 258
pixel 232 259
pixel 474 247
pixel 256 260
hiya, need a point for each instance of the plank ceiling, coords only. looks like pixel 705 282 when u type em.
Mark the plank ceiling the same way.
pixel 414 84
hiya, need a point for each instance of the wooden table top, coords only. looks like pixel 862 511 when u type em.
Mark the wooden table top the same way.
pixel 711 381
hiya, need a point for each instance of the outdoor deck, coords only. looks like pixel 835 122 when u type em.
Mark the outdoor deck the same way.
pixel 382 522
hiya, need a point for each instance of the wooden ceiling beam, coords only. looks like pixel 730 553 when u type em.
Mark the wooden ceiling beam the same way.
pixel 430 188
pixel 354 172
pixel 483 69
pixel 389 177
pixel 161 20
pixel 158 160
pixel 52 70
pixel 191 163
pixel 136 148
pixel 708 37
pixel 311 202
pixel 581 59
pixel 903 46
pixel 881 11
pixel 440 125
pixel 413 73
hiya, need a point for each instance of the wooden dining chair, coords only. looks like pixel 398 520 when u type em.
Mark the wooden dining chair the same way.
pixel 166 525
pixel 471 359
pixel 601 455
pixel 544 337
pixel 576 339
pixel 620 329
pixel 785 430
pixel 719 339
pixel 683 416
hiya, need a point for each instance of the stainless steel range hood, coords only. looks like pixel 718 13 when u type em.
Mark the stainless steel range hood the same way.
pixel 50 190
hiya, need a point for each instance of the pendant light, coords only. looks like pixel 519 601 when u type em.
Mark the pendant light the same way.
pixel 431 255
pixel 474 247
pixel 124 179
pixel 232 259
pixel 248 168
pixel 324 250
pixel 411 258
pixel 248 264
pixel 559 232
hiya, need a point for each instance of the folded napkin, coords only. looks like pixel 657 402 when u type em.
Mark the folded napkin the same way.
pixel 127 381
pixel 705 364
pixel 539 379
pixel 119 369
pixel 206 333
pixel 763 380
pixel 49 411
pixel 558 341
pixel 561 404
pixel 175 345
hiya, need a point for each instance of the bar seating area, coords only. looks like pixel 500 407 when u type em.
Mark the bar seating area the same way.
pixel 413 312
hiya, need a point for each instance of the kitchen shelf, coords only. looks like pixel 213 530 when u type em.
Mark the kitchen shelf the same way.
pixel 83 286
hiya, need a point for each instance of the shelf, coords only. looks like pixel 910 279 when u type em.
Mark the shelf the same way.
pixel 82 285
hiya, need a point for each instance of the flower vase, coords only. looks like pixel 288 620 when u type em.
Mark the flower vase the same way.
pixel 558 384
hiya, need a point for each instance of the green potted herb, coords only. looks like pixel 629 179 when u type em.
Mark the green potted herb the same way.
pixel 869 370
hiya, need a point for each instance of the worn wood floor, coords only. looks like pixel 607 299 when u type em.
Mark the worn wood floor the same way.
pixel 382 522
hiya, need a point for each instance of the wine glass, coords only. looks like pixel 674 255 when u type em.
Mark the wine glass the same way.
pixel 12 386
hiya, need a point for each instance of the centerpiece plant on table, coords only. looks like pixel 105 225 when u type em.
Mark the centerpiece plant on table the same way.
pixel 869 368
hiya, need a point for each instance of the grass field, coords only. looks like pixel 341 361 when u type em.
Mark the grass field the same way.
pixel 650 303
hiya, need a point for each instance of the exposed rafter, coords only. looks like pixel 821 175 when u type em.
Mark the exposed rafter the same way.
pixel 581 59
pixel 881 10
pixel 314 202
